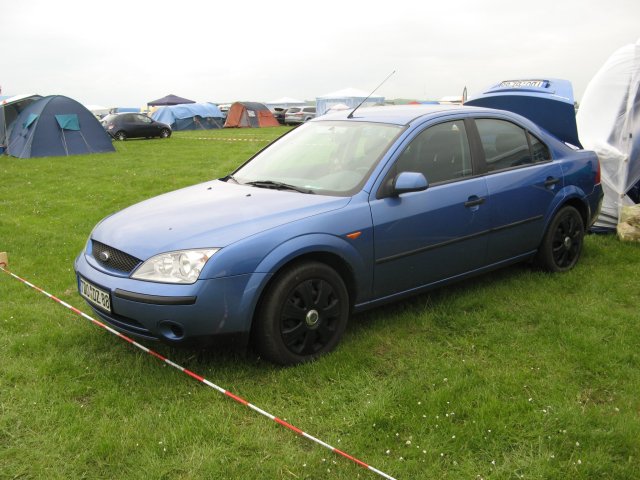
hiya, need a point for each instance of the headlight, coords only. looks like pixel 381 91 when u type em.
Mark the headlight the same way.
pixel 174 267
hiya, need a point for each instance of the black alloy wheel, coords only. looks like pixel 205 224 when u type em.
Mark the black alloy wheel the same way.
pixel 120 136
pixel 165 133
pixel 303 315
pixel 562 244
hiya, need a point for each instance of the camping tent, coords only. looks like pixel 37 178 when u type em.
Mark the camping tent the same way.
pixel 609 123
pixel 285 102
pixel 169 100
pixel 192 116
pixel 56 126
pixel 10 108
pixel 351 97
pixel 250 114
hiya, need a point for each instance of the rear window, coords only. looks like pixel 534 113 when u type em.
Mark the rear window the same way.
pixel 294 110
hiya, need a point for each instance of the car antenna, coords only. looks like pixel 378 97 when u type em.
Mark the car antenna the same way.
pixel 360 104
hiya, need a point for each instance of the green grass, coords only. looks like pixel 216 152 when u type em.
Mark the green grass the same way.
pixel 516 374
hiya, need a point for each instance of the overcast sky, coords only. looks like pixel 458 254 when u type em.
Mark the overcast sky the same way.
pixel 126 53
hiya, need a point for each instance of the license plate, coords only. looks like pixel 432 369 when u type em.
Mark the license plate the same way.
pixel 95 295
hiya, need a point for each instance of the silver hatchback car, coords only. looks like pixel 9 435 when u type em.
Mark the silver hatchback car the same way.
pixel 299 114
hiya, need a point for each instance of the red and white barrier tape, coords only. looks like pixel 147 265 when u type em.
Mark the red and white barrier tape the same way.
pixel 199 378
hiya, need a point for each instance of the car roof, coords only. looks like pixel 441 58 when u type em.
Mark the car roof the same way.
pixel 398 114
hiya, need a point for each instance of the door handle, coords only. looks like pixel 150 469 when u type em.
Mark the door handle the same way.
pixel 474 201
pixel 551 181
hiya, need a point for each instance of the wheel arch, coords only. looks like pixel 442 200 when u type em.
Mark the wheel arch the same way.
pixel 330 250
pixel 574 197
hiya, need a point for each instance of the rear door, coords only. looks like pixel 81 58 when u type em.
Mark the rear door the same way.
pixel 424 237
pixel 522 181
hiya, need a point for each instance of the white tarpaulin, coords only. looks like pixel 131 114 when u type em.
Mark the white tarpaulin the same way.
pixel 350 97
pixel 609 123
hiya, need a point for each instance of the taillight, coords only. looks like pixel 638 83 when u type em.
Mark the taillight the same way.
pixel 597 180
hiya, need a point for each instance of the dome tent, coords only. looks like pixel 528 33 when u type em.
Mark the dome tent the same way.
pixel 56 126
pixel 192 116
pixel 250 114
pixel 350 97
pixel 10 108
pixel 609 123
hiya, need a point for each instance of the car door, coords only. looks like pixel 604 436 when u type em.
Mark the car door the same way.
pixel 522 181
pixel 145 126
pixel 427 236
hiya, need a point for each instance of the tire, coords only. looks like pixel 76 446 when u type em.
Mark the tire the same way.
pixel 303 314
pixel 120 136
pixel 165 133
pixel 562 243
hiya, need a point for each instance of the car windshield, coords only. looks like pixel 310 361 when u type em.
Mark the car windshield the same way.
pixel 329 158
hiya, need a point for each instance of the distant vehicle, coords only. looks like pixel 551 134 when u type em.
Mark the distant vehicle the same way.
pixel 134 125
pixel 279 114
pixel 299 114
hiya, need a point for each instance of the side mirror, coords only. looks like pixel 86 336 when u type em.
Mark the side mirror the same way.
pixel 409 182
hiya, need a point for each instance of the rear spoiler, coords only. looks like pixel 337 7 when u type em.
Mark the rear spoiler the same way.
pixel 548 103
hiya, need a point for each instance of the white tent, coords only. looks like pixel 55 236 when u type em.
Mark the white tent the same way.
pixel 285 102
pixel 351 97
pixel 609 123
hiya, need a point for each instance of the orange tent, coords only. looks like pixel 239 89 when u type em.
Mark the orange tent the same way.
pixel 250 114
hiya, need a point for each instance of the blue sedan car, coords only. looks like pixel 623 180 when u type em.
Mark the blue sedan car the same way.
pixel 347 212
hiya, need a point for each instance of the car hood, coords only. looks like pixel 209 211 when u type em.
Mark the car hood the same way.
pixel 211 214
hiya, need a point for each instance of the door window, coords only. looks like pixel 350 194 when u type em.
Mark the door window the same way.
pixel 505 145
pixel 440 153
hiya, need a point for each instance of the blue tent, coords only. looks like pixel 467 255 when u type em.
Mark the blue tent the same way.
pixel 56 126
pixel 192 116
pixel 9 111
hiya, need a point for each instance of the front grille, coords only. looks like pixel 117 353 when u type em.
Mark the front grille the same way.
pixel 112 258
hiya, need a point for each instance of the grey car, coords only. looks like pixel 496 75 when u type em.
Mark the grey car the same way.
pixel 299 114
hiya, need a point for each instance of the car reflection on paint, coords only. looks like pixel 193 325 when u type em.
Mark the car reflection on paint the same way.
pixel 346 212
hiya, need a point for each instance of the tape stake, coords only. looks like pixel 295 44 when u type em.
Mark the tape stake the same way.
pixel 195 376
pixel 4 260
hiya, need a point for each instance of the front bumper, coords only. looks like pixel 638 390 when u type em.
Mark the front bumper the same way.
pixel 175 313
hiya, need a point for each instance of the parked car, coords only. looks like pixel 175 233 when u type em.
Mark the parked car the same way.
pixel 299 114
pixel 134 125
pixel 278 113
pixel 345 213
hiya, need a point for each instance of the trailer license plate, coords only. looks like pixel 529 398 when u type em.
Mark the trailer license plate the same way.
pixel 95 295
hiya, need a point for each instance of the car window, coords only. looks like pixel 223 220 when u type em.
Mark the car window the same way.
pixel 143 119
pixel 294 110
pixel 441 153
pixel 331 157
pixel 310 109
pixel 539 151
pixel 505 144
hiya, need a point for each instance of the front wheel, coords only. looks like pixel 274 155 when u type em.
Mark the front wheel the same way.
pixel 303 314
pixel 562 243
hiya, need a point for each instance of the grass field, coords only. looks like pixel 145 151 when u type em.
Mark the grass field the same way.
pixel 516 374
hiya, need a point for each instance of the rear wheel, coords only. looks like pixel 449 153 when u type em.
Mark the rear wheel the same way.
pixel 165 133
pixel 303 314
pixel 562 243
pixel 120 136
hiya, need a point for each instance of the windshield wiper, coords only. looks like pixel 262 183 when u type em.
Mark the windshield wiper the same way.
pixel 278 186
